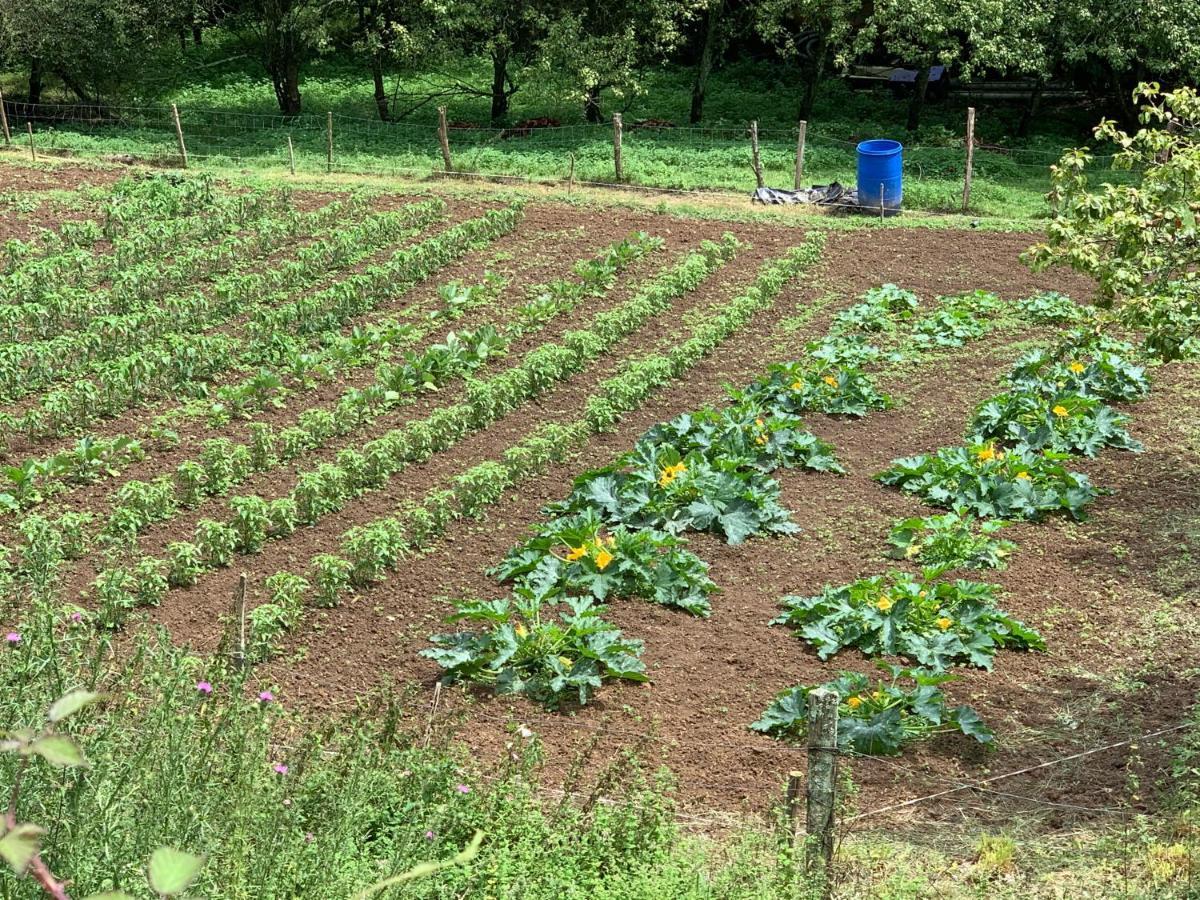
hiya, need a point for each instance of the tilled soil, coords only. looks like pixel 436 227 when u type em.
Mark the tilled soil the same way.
pixel 711 677
pixel 1114 597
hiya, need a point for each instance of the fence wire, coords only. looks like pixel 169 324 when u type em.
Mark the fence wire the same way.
pixel 655 155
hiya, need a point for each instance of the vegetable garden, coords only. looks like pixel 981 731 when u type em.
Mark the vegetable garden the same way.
pixel 621 477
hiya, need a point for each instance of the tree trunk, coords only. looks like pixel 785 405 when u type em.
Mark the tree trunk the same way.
pixel 813 72
pixel 712 28
pixel 917 103
pixel 499 86
pixel 381 97
pixel 285 78
pixel 197 37
pixel 35 81
pixel 1031 108
pixel 1124 95
pixel 591 105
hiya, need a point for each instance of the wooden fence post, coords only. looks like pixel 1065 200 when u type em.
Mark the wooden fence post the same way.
pixel 4 122
pixel 822 781
pixel 291 155
pixel 617 166
pixel 970 158
pixel 794 803
pixel 755 160
pixel 32 151
pixel 571 174
pixel 444 139
pixel 329 142
pixel 239 622
pixel 800 154
pixel 179 135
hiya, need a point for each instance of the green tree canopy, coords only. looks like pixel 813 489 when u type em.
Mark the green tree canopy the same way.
pixel 1140 242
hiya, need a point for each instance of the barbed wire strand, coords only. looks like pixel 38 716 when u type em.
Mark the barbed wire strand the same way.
pixel 1043 765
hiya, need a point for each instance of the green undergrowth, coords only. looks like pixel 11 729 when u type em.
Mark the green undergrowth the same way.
pixel 183 753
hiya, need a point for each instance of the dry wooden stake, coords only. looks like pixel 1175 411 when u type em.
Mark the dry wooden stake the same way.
pixel 822 779
pixel 437 696
pixel 444 139
pixel 755 160
pixel 800 155
pixel 32 151
pixel 571 175
pixel 793 801
pixel 4 121
pixel 617 166
pixel 291 156
pixel 179 135
pixel 970 158
pixel 329 142
pixel 881 201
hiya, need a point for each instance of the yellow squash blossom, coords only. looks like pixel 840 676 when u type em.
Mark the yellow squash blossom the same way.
pixel 987 453
pixel 884 603
pixel 575 553
pixel 566 662
pixel 798 385
pixel 1060 411
pixel 521 631
pixel 854 702
pixel 830 380
pixel 602 558
pixel 944 623
pixel 922 594
pixel 877 696
pixel 1076 367
pixel 670 473
pixel 760 423
pixel 761 439
pixel 913 550
pixel 1022 475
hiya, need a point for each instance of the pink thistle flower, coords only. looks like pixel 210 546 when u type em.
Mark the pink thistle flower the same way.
pixel 280 768
pixel 13 638
pixel 266 697
pixel 463 789
pixel 204 688
pixel 429 835
pixel 76 617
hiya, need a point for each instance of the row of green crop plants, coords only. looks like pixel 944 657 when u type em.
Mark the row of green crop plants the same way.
pixel 297 341
pixel 36 478
pixel 1012 466
pixel 136 215
pixel 330 486
pixel 367 558
pixel 222 463
pixel 93 459
pixel 618 533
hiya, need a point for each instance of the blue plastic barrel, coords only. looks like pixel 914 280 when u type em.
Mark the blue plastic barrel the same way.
pixel 880 168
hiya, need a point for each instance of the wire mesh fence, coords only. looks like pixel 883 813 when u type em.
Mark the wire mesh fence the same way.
pixel 655 155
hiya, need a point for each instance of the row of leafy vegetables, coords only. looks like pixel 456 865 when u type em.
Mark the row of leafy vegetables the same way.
pixel 621 531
